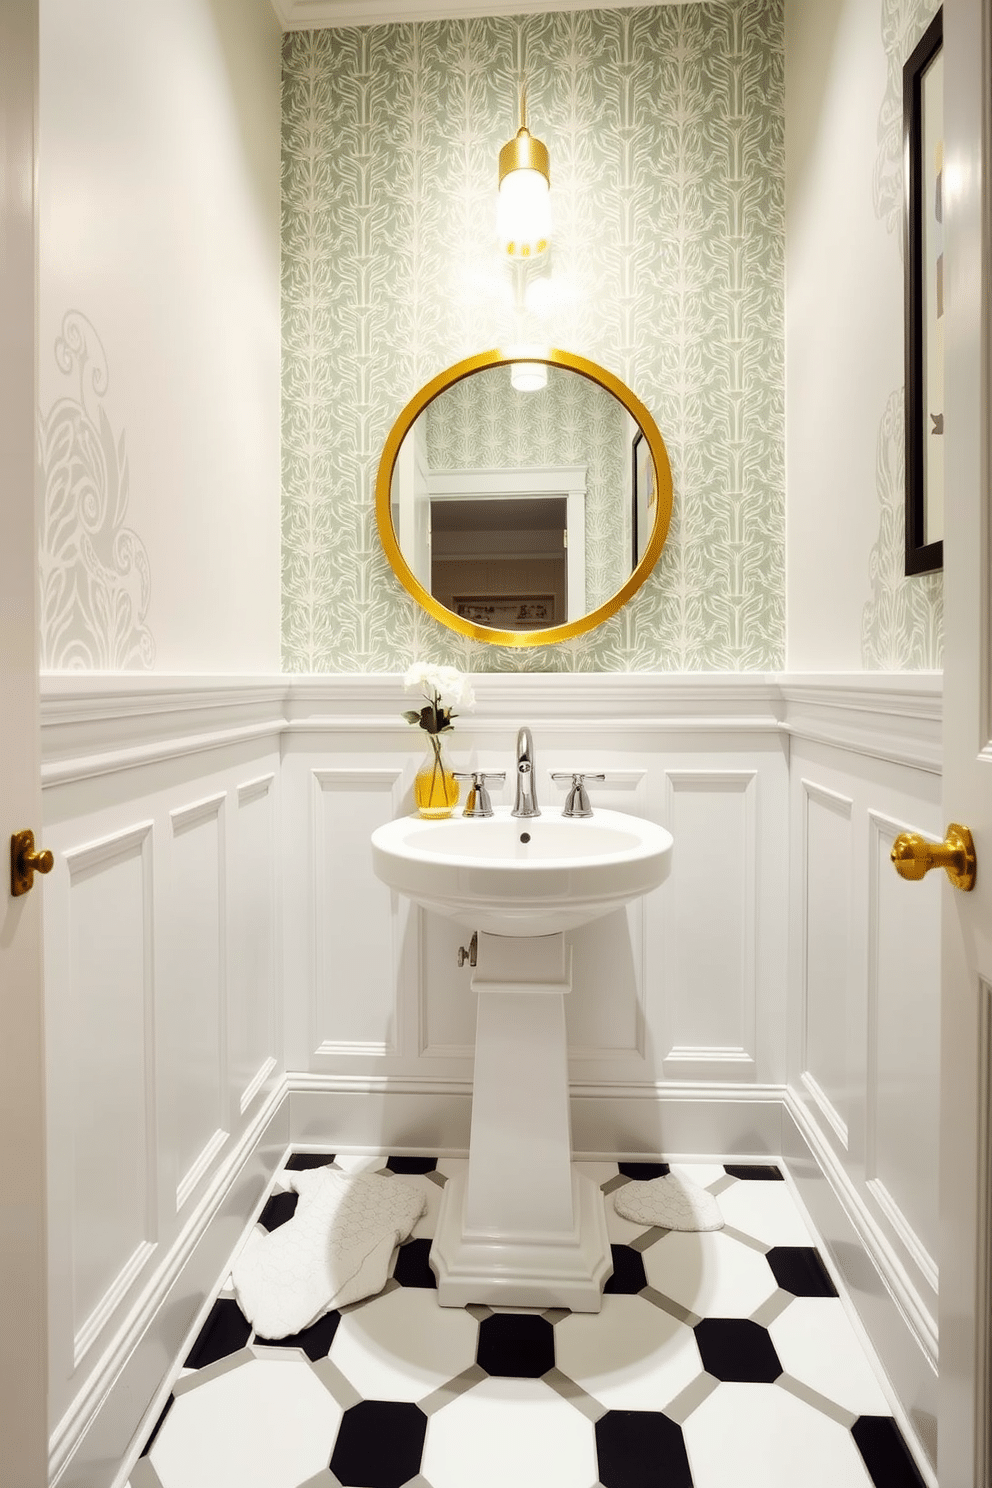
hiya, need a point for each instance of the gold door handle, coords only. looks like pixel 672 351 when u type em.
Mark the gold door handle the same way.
pixel 25 862
pixel 914 856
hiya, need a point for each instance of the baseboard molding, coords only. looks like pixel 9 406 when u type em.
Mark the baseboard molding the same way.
pixel 400 1114
pixel 95 1436
pixel 897 1324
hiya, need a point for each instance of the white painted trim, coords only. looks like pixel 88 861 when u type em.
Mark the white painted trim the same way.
pixel 254 790
pixel 97 1394
pixel 827 1109
pixel 111 1298
pixel 85 716
pixel 256 1082
pixel 196 812
pixel 915 1314
pixel 200 1166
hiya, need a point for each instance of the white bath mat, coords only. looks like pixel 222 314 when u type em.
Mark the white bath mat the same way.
pixel 673 1202
pixel 334 1250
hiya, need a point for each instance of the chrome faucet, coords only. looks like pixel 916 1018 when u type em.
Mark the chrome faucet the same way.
pixel 525 803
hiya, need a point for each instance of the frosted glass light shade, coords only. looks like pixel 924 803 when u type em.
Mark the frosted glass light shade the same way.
pixel 523 213
pixel 528 377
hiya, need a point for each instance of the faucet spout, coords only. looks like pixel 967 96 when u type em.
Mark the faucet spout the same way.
pixel 525 802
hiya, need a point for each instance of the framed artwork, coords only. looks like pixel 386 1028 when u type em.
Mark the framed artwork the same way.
pixel 643 498
pixel 923 149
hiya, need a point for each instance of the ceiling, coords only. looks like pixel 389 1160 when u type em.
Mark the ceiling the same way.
pixel 298 15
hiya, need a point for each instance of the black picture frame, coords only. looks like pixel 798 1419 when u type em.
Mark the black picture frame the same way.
pixel 923 186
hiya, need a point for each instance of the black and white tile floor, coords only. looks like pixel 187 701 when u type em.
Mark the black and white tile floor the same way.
pixel 719 1360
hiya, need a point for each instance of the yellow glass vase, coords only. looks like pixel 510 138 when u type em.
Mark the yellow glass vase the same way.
pixel 435 789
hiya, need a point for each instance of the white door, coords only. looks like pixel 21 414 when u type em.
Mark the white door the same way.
pixel 23 1280
pixel 966 1003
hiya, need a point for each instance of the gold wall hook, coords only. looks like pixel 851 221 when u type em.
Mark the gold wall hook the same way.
pixel 25 862
pixel 914 856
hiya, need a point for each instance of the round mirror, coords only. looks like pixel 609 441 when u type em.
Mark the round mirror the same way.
pixel 523 502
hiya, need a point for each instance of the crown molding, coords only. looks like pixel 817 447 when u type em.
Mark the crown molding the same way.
pixel 305 15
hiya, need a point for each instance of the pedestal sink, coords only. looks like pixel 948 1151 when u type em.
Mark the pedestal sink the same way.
pixel 522 1228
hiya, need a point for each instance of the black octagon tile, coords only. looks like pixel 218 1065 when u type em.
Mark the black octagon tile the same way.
pixel 315 1341
pixel 225 1331
pixel 517 1345
pixel 757 1172
pixel 885 1453
pixel 641 1449
pixel 737 1349
pixel 798 1269
pixel 412 1268
pixel 379 1444
pixel 300 1161
pixel 628 1272
pixel 412 1164
pixel 280 1208
pixel 643 1171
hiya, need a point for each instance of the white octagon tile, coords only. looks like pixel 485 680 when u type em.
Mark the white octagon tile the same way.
pixel 702 1173
pixel 263 1425
pixel 510 1432
pixel 710 1273
pixel 630 1356
pixel 816 1344
pixel 758 1436
pixel 403 1346
pixel 765 1210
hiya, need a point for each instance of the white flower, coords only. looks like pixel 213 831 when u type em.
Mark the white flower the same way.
pixel 449 686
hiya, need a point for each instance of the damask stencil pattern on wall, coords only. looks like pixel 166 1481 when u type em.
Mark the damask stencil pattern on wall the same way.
pixel 95 583
pixel 902 623
pixel 665 126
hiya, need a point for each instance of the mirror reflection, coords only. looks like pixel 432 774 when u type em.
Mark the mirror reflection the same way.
pixel 517 509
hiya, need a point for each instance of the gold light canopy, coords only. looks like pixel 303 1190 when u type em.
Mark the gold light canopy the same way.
pixel 651 552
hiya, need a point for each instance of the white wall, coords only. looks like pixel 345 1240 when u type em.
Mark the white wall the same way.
pixel 159 140
pixel 849 603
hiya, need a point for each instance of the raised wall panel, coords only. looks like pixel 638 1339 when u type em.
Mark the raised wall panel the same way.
pixel 197 995
pixel 111 1070
pixel 709 916
pixel 253 979
pixel 826 992
pixel 356 917
pixel 903 1047
pixel 603 1011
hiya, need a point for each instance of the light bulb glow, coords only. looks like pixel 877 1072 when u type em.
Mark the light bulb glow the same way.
pixel 528 377
pixel 523 213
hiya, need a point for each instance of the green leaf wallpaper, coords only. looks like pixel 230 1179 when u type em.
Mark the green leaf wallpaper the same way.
pixel 665 128
pixel 902 623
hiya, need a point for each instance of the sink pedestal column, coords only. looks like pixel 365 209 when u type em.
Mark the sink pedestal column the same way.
pixel 521 1228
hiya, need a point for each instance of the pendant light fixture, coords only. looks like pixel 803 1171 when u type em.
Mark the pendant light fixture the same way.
pixel 523 210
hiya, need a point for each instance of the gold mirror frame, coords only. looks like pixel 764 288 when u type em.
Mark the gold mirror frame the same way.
pixel 663 498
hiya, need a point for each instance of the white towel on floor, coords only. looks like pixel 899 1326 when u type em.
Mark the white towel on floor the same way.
pixel 673 1202
pixel 334 1250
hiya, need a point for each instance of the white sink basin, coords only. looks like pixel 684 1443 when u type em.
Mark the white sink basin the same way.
pixel 522 876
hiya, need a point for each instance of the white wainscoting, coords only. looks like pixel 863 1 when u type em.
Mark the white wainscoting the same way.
pixel 688 984
pixel 213 923
pixel 864 1090
pixel 166 1076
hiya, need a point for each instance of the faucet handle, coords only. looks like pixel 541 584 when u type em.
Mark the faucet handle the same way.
pixel 577 801
pixel 478 802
